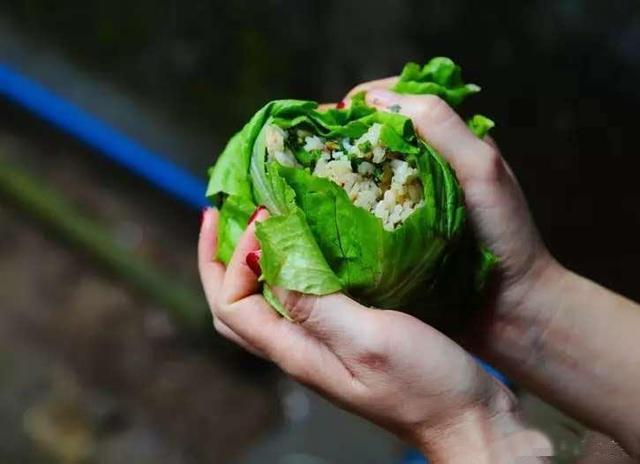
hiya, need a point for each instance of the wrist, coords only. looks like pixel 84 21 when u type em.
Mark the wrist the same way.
pixel 490 433
pixel 521 313
pixel 530 292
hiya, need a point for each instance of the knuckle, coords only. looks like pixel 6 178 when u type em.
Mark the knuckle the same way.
pixel 434 110
pixel 220 326
pixel 431 100
pixel 221 307
pixel 358 88
pixel 214 306
pixel 490 166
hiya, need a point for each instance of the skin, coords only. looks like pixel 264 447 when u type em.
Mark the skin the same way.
pixel 600 449
pixel 565 338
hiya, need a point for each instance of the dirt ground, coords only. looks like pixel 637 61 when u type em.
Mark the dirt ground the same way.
pixel 90 371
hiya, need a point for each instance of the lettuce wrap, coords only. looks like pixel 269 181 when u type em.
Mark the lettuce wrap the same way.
pixel 358 202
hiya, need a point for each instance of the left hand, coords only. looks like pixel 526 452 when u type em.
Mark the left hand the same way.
pixel 386 366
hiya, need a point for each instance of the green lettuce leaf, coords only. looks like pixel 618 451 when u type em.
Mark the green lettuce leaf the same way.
pixel 440 76
pixel 480 125
pixel 360 252
pixel 234 214
pixel 275 303
pixel 291 258
pixel 317 241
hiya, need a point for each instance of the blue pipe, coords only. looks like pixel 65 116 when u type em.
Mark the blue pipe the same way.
pixel 101 137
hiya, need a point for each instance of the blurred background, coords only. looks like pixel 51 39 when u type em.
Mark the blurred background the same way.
pixel 111 112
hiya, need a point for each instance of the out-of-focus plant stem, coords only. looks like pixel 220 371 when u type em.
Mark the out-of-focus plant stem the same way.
pixel 186 307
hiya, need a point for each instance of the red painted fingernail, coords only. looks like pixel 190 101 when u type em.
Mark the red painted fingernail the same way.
pixel 253 261
pixel 254 214
pixel 341 104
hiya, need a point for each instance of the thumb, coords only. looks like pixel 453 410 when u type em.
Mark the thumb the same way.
pixel 340 322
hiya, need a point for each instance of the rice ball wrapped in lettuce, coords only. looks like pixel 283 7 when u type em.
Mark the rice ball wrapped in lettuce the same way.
pixel 358 202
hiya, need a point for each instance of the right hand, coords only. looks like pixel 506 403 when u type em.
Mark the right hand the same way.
pixel 496 205
pixel 567 339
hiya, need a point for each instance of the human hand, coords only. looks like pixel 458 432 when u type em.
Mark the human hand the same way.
pixel 383 365
pixel 497 209
pixel 564 337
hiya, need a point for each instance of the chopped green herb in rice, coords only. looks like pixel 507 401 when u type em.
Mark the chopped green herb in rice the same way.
pixel 375 179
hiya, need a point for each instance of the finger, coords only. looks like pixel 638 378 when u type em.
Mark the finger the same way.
pixel 212 275
pixel 439 125
pixel 211 271
pixel 228 333
pixel 240 280
pixel 365 340
pixel 341 323
pixel 491 141
pixel 244 317
pixel 326 106
pixel 290 346
pixel 385 83
pixel 247 319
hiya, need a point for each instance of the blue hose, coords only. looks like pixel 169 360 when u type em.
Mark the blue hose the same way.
pixel 101 137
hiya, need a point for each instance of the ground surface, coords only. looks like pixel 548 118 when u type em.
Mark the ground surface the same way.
pixel 88 367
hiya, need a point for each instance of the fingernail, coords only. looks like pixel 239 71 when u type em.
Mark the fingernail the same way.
pixel 255 214
pixel 381 97
pixel 341 104
pixel 253 261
